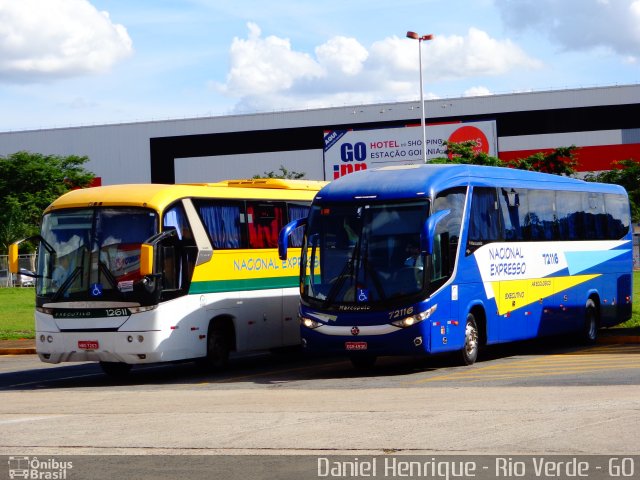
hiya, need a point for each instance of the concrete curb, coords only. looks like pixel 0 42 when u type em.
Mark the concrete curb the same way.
pixel 17 351
pixel 618 340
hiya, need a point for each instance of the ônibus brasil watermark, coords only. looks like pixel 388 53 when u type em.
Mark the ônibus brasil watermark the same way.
pixel 38 468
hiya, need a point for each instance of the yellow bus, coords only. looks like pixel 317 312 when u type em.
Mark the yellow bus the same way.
pixel 131 274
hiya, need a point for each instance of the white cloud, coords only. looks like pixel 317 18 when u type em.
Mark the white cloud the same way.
pixel 268 73
pixel 342 55
pixel 57 38
pixel 475 54
pixel 266 65
pixel 477 92
pixel 579 24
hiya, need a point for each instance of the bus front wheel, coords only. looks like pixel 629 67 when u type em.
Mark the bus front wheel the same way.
pixel 471 345
pixel 115 369
pixel 217 349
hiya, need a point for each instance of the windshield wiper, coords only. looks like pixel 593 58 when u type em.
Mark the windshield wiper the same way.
pixel 66 284
pixel 107 273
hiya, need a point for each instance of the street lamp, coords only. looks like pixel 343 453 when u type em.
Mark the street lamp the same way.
pixel 421 38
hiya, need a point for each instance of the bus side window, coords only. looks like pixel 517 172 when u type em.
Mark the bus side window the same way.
pixel 484 219
pixel 542 219
pixel 264 221
pixel 617 207
pixel 447 233
pixel 570 216
pixel 595 221
pixel 512 205
pixel 223 222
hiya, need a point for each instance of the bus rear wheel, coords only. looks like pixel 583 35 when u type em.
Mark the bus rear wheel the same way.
pixel 116 369
pixel 590 328
pixel 469 352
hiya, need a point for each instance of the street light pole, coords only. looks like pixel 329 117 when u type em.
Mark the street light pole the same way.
pixel 421 38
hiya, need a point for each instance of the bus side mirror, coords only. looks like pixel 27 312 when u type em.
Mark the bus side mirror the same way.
pixel 429 230
pixel 146 259
pixel 283 237
pixel 147 250
pixel 13 257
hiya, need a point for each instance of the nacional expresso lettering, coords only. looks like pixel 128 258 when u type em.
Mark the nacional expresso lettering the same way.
pixel 508 261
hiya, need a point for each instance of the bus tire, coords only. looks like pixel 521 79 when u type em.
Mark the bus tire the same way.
pixel 469 352
pixel 591 320
pixel 116 369
pixel 363 361
pixel 217 349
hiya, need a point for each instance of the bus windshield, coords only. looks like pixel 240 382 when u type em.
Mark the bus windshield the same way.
pixel 364 254
pixel 93 254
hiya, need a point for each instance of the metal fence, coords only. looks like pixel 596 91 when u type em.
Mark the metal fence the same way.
pixel 7 279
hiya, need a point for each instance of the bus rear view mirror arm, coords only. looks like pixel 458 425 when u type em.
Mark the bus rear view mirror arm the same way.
pixel 429 230
pixel 283 237
pixel 13 254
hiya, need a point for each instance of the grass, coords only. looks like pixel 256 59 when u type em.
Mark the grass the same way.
pixel 17 305
pixel 16 313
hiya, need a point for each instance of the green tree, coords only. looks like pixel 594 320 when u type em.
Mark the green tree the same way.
pixel 561 161
pixel 467 153
pixel 283 173
pixel 29 182
pixel 627 174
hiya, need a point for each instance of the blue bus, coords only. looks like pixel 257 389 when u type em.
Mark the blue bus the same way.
pixel 424 259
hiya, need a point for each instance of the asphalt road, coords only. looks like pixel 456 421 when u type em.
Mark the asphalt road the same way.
pixel 532 398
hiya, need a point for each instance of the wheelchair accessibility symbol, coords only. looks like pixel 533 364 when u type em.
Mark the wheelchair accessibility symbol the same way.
pixel 363 295
pixel 96 289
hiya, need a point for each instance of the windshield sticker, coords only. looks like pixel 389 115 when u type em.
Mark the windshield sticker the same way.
pixel 125 286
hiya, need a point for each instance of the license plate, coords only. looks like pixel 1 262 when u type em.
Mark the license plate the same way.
pixel 355 345
pixel 88 345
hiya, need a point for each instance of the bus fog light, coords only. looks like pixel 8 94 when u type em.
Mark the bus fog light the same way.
pixel 142 356
pixel 140 338
pixel 129 339
pixel 417 341
pixel 50 339
pixel 42 338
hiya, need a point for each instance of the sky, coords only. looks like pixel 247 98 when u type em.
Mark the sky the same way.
pixel 86 62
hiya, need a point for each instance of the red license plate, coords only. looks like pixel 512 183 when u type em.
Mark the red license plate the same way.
pixel 88 345
pixel 355 345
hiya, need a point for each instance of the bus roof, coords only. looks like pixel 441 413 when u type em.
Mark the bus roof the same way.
pixel 424 180
pixel 158 196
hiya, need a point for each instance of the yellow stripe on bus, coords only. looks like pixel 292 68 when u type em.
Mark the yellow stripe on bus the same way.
pixel 511 295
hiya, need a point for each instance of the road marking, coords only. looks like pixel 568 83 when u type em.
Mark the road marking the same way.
pixel 590 360
pixel 29 419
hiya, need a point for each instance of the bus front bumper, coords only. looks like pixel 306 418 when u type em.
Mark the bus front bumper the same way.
pixel 399 341
pixel 125 347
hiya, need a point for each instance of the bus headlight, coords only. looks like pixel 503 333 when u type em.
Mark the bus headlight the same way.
pixel 309 323
pixel 413 319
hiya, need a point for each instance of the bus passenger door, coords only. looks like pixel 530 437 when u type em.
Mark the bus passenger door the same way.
pixel 290 324
pixel 262 316
pixel 264 221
